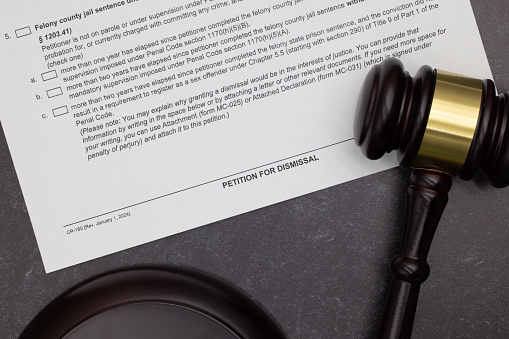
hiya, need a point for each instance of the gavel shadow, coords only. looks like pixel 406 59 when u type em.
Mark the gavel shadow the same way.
pixel 392 243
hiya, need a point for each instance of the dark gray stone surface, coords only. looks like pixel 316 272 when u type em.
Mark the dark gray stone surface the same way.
pixel 318 263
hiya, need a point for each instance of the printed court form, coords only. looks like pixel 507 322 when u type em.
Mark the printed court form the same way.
pixel 133 120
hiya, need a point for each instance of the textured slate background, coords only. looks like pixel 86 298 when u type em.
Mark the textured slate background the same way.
pixel 318 263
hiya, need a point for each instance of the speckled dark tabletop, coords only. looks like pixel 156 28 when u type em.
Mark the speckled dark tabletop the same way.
pixel 318 263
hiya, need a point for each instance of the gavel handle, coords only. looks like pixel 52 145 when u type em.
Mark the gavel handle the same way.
pixel 426 201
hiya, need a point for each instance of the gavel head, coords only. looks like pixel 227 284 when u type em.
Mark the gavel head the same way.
pixel 435 120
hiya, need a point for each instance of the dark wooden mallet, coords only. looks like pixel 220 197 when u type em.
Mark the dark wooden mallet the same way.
pixel 442 125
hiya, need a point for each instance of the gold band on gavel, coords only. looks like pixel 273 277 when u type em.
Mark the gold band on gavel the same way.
pixel 451 124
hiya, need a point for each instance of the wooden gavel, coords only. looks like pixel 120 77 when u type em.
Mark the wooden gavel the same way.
pixel 442 125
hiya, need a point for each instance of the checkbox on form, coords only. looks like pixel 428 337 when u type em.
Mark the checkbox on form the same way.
pixel 54 92
pixel 49 75
pixel 60 111
pixel 23 32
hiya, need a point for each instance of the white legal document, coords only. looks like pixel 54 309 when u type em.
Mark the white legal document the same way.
pixel 133 120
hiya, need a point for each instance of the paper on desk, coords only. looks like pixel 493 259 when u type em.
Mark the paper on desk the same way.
pixel 129 121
